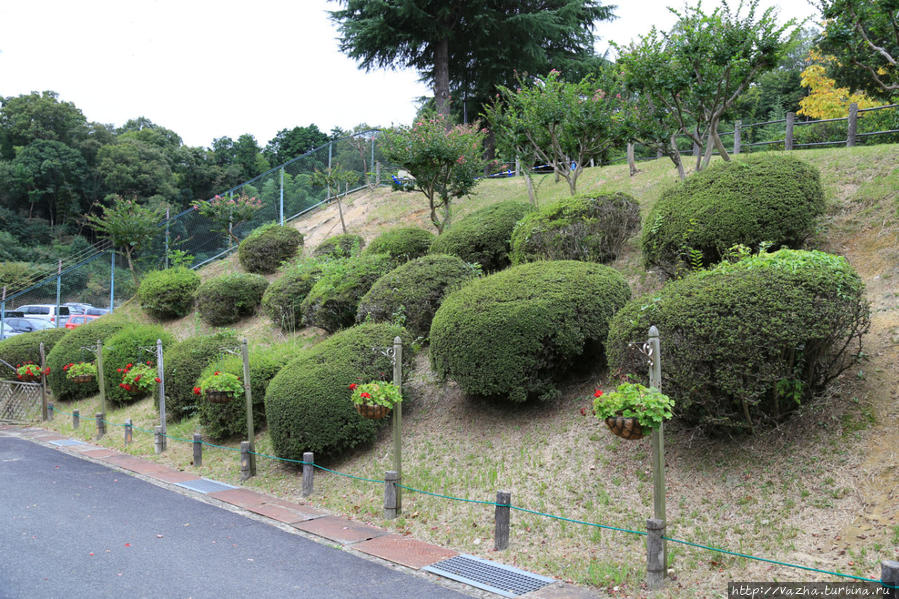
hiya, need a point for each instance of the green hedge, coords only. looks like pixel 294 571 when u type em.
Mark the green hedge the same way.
pixel 744 343
pixel 70 349
pixel 592 228
pixel 401 244
pixel 183 363
pixel 482 237
pixel 411 293
pixel 308 405
pixel 332 302
pixel 283 299
pixel 228 298
pixel 129 346
pixel 512 334
pixel 267 247
pixel 167 294
pixel 221 421
pixel 27 348
pixel 767 198
pixel 340 246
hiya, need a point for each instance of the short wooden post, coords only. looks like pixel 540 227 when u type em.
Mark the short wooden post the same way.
pixel 198 449
pixel 655 553
pixel 737 139
pixel 159 440
pixel 50 410
pixel 788 136
pixel 889 577
pixel 76 418
pixel 101 424
pixel 853 125
pixel 248 393
pixel 45 413
pixel 129 431
pixel 503 520
pixel 245 460
pixel 308 473
pixel 390 481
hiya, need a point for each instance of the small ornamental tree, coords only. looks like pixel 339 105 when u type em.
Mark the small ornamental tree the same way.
pixel 333 178
pixel 227 213
pixel 127 225
pixel 444 162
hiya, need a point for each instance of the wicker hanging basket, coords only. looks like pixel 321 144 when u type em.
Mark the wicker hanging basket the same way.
pixel 83 378
pixel 29 378
pixel 626 428
pixel 219 396
pixel 375 412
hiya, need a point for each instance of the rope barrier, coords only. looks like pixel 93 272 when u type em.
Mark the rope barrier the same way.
pixel 513 507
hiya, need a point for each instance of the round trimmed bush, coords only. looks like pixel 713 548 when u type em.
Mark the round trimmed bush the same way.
pixel 27 348
pixel 592 228
pixel 482 237
pixel 759 199
pixel 224 420
pixel 127 346
pixel 307 404
pixel 412 292
pixel 402 244
pixel 340 246
pixel 283 299
pixel 332 302
pixel 167 294
pixel 744 343
pixel 267 247
pixel 69 349
pixel 511 334
pixel 183 363
pixel 228 298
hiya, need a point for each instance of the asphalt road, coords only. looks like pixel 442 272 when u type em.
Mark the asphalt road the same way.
pixel 71 528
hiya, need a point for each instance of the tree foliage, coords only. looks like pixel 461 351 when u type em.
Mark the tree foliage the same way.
pixel 826 100
pixel 128 226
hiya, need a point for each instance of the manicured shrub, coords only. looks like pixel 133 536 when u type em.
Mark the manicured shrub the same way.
pixel 402 244
pixel 482 237
pixel 744 343
pixel 267 247
pixel 70 349
pixel 167 294
pixel 411 293
pixel 283 299
pixel 184 361
pixel 340 246
pixel 230 297
pixel 307 404
pixel 592 228
pixel 759 199
pixel 332 302
pixel 129 346
pixel 511 334
pixel 224 420
pixel 27 348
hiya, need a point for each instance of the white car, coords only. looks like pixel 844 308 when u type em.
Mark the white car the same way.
pixel 46 312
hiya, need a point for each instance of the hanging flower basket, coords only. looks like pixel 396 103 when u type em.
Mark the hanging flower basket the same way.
pixel 219 396
pixel 372 412
pixel 632 410
pixel 82 372
pixel 626 428
pixel 375 400
pixel 29 372
pixel 219 387
pixel 82 378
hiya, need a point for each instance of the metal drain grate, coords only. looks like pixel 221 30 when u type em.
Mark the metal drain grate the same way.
pixel 204 485
pixel 483 574
pixel 67 443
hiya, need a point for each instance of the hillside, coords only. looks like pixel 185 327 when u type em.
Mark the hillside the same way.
pixel 822 491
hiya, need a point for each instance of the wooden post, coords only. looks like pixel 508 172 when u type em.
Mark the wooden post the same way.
pixel 737 139
pixel 158 440
pixel 390 492
pixel 45 412
pixel 76 418
pixel 658 440
pixel 160 372
pixel 248 392
pixel 631 163
pixel 101 424
pixel 788 136
pixel 50 410
pixel 517 167
pixel 245 460
pixel 398 419
pixel 308 473
pixel 655 553
pixel 198 450
pixel 503 520
pixel 889 576
pixel 853 125
pixel 101 379
pixel 129 431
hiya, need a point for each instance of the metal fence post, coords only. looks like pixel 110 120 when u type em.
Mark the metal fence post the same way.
pixel 167 217
pixel 503 520
pixel 111 280
pixel 788 135
pixel 58 289
pixel 3 311
pixel 398 419
pixel 198 449
pixel 308 473
pixel 737 140
pixel 390 481
pixel 853 125
pixel 161 374
pixel 281 200
pixel 45 410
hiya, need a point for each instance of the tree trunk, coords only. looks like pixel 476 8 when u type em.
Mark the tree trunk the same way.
pixel 718 144
pixel 674 154
pixel 707 156
pixel 441 80
pixel 631 163
pixel 340 211
pixel 532 195
pixel 131 266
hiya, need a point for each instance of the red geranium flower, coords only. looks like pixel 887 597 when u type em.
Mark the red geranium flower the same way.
pixel 365 395
pixel 353 387
pixel 157 379
pixel 597 393
pixel 196 390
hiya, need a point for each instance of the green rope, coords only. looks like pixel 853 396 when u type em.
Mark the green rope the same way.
pixel 635 532
pixel 368 480
pixel 445 496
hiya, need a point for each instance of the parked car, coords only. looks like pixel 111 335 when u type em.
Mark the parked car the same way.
pixel 96 311
pixel 17 325
pixel 77 307
pixel 76 320
pixel 46 312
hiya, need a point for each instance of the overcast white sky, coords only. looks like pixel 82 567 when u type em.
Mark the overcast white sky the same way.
pixel 207 69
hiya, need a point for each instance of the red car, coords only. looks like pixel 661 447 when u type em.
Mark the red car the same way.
pixel 76 320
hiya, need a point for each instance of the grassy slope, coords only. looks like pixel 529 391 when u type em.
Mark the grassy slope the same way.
pixel 821 492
